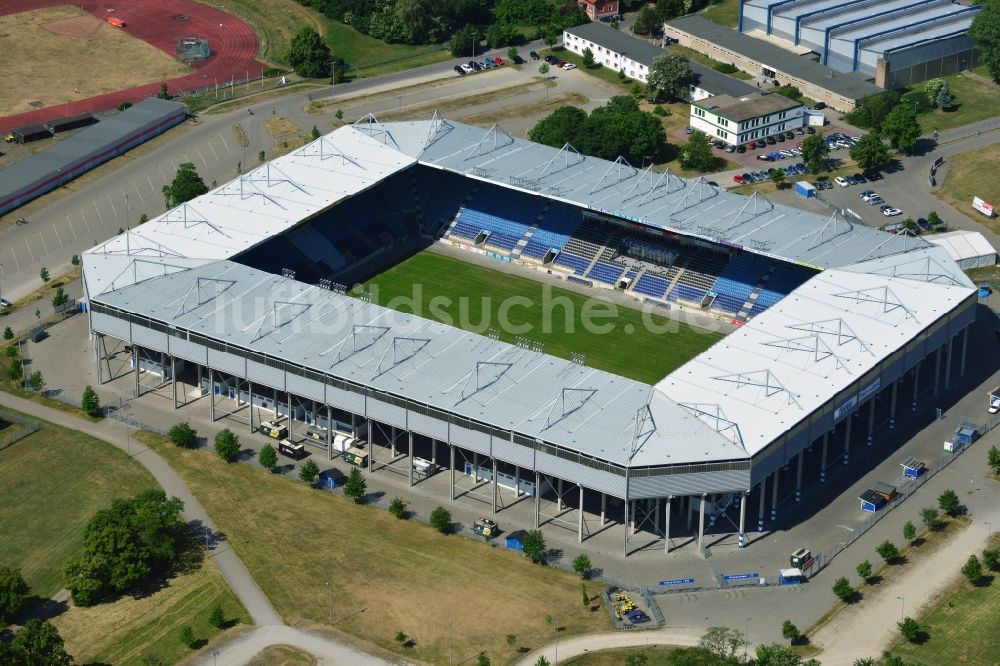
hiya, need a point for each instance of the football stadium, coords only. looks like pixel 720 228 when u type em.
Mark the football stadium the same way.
pixel 323 289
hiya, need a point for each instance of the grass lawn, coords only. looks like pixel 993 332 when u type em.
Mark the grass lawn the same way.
pixel 726 12
pixel 388 575
pixel 700 57
pixel 52 483
pixel 471 297
pixel 975 173
pixel 976 98
pixel 604 73
pixel 655 656
pixel 962 627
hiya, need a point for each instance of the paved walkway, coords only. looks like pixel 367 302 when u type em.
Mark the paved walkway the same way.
pixel 578 645
pixel 271 629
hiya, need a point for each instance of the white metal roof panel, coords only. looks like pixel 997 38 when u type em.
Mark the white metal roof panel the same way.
pixel 963 244
pixel 957 25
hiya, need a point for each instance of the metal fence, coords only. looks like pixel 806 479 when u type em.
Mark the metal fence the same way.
pixel 19 429
pixel 965 132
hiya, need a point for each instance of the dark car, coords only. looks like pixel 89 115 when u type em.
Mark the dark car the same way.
pixel 518 60
pixel 475 65
pixel 534 56
pixel 771 140
pixel 760 143
pixel 458 68
pixel 741 148
pixel 551 59
pixel 861 179
pixel 789 135
pixel 810 130
pixel 820 106
pixel 873 175
pixel 780 137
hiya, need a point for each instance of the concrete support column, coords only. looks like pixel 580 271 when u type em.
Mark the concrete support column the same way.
pixel 135 357
pixel 392 443
pixel 173 380
pixel 98 345
pixel 276 402
pixel 475 469
pixel 199 377
pixel 451 468
pixel 409 456
pixel 434 452
pixel 871 420
pixel 822 459
pixel 798 477
pixel 517 481
pixel 604 509
pixel 666 526
pixel 250 395
pixel 947 363
pixel 965 344
pixel 579 526
pixel 774 497
pixel 916 383
pixel 892 405
pixel 760 504
pixel 687 506
pixel 626 528
pixel 631 514
pixel 371 447
pixel 538 497
pixel 329 433
pixel 354 427
pixel 211 395
pixel 847 437
pixel 656 516
pixel 559 495
pixel 495 489
pixel 937 369
pixel 290 426
pixel 701 523
pixel 743 519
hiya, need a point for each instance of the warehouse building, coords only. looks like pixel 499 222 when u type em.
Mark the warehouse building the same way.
pixel 839 90
pixel 898 42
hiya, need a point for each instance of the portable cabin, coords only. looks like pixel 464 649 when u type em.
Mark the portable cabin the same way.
pixel 422 468
pixel 886 491
pixel 913 468
pixel 871 501
pixel 799 558
pixel 355 456
pixel 273 429
pixel 515 540
pixel 793 576
pixel 293 451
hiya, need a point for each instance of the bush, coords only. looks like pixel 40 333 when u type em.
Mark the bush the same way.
pixel 842 588
pixel 972 569
pixel 909 531
pixel 15 371
pixel 309 472
pixel 991 558
pixel 35 381
pixel 441 520
pixel 887 551
pixel 355 487
pixel 930 517
pixel 534 546
pixel 725 68
pixel 8 333
pixel 90 403
pixel 217 618
pixel 183 435
pixel 227 444
pixel 582 565
pixel 397 507
pixel 660 111
pixel 949 503
pixel 790 632
pixel 909 629
pixel 267 457
pixel 865 570
pixel 187 636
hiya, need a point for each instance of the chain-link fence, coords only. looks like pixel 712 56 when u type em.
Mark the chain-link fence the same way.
pixel 17 428
pixel 965 132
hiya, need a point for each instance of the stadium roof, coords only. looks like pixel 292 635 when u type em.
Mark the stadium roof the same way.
pixel 850 84
pixel 538 395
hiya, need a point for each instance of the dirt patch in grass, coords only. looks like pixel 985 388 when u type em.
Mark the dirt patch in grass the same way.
pixel 536 110
pixel 277 126
pixel 388 575
pixel 76 60
pixel 282 655
pixel 288 145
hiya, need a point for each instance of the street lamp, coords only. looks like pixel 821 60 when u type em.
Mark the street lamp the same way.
pixel 215 655
pixel 902 608
pixel 329 587
pixel 555 627
pixel 746 640
pixel 989 525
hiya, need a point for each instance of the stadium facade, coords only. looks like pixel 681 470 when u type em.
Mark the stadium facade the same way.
pixel 869 326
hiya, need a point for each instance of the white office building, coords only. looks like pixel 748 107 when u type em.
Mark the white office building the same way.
pixel 744 119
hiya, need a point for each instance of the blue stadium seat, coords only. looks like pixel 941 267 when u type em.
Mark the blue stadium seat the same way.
pixel 605 272
pixel 651 285
pixel 578 264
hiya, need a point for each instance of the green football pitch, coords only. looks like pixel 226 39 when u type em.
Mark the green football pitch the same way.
pixel 626 342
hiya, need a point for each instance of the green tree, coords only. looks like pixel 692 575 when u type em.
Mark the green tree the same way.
pixel 696 155
pixel 871 110
pixel 559 127
pixel 543 69
pixel 582 565
pixel 309 472
pixel 355 486
pixel 909 629
pixel 227 444
pixel 11 351
pixel 39 644
pixel 991 558
pixel 511 640
pixel 791 92
pixel 985 32
pixel 888 551
pixel 217 618
pixel 44 274
pixel 842 588
pixel 441 520
pixel 870 153
pixel 790 632
pixel 992 458
pixel 778 177
pixel 669 78
pixel 932 87
pixel 549 36
pixel 308 54
pixel 397 507
pixel 901 128
pixel 187 636
pixel 401 638
pixel 163 92
pixel 512 53
pixel 90 403
pixel 183 435
pixel 534 546
pixel 13 593
pixel 588 58
pixel 143 219
pixel 909 531
pixel 669 9
pixel 722 642
pixel 15 372
pixel 187 185
pixel 417 21
pixel 864 570
pixel 75 259
pixel 60 298
pixel 542 661
pixel 314 133
pixel 949 503
pixel 586 597
pixel 36 381
pixel 933 218
pixel 124 545
pixel 267 457
pixel 814 152
pixel 339 115
pixel 463 43
pixel 646 21
pixel 930 517
pixel 261 156
pixel 8 333
pixel 972 569
pixel 776 655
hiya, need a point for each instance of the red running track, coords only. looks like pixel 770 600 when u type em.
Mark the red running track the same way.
pixel 233 44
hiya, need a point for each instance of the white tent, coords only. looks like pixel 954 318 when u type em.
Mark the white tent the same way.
pixel 969 249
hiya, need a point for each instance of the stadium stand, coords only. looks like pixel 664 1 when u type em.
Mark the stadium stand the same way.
pixel 553 232
pixel 651 285
pixel 606 273
pixel 506 214
pixel 700 273
pixel 737 281
pixel 779 283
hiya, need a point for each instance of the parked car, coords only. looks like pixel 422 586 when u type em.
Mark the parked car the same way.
pixel 840 180
pixel 872 175
pixel 875 200
pixel 568 66
pixel 820 106
pixel 799 131
pixel 689 130
pixel 475 65
pixel 786 153
pixel 861 179
pixel 462 69
pixel 560 64
pixel 534 56
pixel 551 59
pixel 466 69
pixel 810 130
pixel 865 194
pixel 779 137
pixel 771 140
pixel 889 211
pixel 789 135
pixel 498 60
pixel 741 148
pixel 518 60
pixel 487 64
pixel 4 303
pixel 738 179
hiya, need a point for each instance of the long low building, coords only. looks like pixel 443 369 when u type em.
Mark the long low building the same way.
pixel 839 90
pixel 872 326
